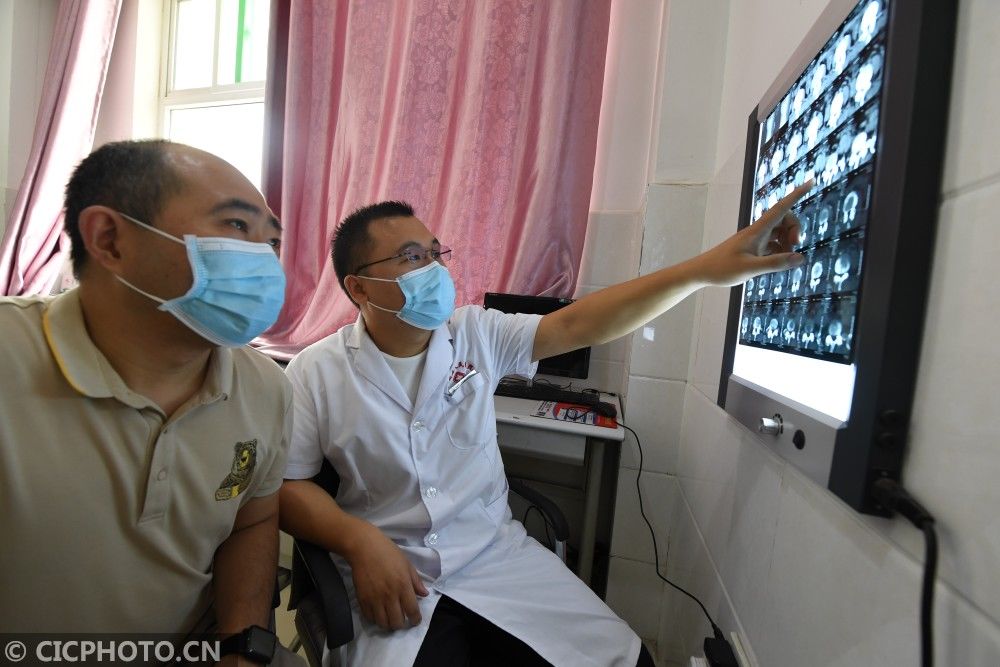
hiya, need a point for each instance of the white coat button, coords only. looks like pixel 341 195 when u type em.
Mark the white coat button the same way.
pixel 431 492
pixel 432 539
pixel 418 425
pixel 162 475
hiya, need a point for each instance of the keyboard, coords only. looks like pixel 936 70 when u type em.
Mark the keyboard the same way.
pixel 543 392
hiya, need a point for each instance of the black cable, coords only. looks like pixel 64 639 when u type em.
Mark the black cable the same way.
pixel 892 496
pixel 927 596
pixel 656 552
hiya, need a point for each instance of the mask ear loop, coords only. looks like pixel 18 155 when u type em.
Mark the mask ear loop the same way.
pixel 152 228
pixel 145 294
pixel 381 280
pixel 156 231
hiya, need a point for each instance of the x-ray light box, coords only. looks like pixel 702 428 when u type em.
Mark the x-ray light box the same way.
pixel 821 359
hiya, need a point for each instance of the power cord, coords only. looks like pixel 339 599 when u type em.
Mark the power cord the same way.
pixel 718 652
pixel 888 493
pixel 891 495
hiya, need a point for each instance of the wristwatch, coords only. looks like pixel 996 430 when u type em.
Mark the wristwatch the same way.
pixel 254 643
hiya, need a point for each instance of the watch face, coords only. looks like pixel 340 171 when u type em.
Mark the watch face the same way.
pixel 260 644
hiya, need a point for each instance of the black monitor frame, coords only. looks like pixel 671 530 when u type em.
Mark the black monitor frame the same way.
pixel 899 249
pixel 575 364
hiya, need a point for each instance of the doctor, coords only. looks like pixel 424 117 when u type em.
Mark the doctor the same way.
pixel 401 404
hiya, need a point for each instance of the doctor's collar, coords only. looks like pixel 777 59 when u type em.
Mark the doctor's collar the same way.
pixel 354 340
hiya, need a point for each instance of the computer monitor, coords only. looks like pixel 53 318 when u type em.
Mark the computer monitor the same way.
pixel 575 364
pixel 821 358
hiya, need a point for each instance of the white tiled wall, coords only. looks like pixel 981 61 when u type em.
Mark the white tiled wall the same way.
pixel 672 231
pixel 804 579
pixel 610 256
pixel 971 157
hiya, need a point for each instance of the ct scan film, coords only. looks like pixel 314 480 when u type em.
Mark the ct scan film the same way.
pixel 824 128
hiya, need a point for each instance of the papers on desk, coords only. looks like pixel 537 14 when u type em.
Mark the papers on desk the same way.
pixel 570 412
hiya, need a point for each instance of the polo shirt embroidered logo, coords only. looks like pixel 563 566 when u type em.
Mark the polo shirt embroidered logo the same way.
pixel 244 462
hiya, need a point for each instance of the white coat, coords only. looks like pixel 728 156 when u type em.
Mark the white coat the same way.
pixel 430 476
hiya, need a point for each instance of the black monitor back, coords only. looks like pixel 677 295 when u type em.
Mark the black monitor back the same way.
pixel 575 364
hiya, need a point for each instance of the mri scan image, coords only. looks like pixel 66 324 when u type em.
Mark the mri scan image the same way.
pixel 798 102
pixel 814 127
pixel 865 77
pixel 780 316
pixel 838 327
pixel 790 331
pixel 763 286
pixel 815 271
pixel 757 317
pixel 824 127
pixel 796 282
pixel 809 326
pixel 773 329
pixel 852 207
pixel 819 280
pixel 762 174
pixel 794 144
pixel 845 266
pixel 863 139
pixel 840 53
pixel 817 79
pixel 804 212
pixel 777 285
pixel 871 19
pixel 838 104
pixel 824 215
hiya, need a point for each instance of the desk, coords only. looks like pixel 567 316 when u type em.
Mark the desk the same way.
pixel 564 442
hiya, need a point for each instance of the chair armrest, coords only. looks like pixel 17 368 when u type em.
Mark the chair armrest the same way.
pixel 312 570
pixel 549 509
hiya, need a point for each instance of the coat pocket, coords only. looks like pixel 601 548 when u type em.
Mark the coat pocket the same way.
pixel 469 416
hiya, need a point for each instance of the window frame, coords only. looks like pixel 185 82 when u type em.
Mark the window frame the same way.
pixel 247 92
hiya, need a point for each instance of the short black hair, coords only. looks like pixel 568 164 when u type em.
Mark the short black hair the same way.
pixel 132 177
pixel 351 236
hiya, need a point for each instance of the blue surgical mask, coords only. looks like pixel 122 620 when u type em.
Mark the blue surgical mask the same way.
pixel 429 293
pixel 237 291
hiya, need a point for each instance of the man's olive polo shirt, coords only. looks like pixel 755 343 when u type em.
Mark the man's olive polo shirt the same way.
pixel 111 513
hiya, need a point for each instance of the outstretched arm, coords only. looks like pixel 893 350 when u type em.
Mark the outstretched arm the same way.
pixel 610 313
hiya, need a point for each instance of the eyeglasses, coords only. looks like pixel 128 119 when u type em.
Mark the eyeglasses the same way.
pixel 414 257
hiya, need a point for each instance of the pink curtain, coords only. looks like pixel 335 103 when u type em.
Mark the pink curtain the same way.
pixel 481 113
pixel 34 248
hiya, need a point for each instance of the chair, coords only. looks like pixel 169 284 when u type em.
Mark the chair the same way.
pixel 319 597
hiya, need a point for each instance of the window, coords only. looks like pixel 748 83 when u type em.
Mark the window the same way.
pixel 213 80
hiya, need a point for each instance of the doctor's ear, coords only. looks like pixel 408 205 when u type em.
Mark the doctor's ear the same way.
pixel 355 289
pixel 99 228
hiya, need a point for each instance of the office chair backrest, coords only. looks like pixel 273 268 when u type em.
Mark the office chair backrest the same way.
pixel 327 478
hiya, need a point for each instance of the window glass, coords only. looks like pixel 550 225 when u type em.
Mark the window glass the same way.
pixel 243 33
pixel 234 132
pixel 194 43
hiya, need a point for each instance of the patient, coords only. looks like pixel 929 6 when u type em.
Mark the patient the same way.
pixel 142 444
pixel 401 404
